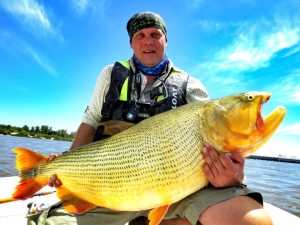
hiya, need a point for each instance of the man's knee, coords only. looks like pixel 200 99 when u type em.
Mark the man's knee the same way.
pixel 241 210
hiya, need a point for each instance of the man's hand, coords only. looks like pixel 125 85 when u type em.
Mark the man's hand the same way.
pixel 225 169
pixel 53 181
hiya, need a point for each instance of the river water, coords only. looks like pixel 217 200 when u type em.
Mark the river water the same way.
pixel 279 182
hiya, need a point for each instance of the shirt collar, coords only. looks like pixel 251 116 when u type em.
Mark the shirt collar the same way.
pixel 168 70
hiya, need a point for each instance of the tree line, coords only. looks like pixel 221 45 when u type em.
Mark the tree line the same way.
pixel 43 131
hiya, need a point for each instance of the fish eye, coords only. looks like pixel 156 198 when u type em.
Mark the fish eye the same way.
pixel 250 97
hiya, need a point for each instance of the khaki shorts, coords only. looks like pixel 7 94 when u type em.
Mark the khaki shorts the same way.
pixel 188 208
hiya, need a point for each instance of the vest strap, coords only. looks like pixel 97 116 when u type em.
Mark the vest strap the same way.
pixel 118 76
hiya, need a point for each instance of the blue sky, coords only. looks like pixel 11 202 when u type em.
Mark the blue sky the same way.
pixel 51 53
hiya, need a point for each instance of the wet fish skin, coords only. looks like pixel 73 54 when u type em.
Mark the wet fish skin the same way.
pixel 154 163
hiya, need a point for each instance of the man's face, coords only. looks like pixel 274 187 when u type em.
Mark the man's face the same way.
pixel 149 46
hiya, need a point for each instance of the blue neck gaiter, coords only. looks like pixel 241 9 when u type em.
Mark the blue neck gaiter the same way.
pixel 151 71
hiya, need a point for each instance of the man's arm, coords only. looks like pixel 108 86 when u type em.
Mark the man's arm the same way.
pixel 84 135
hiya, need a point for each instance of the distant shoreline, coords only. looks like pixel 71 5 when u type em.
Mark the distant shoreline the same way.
pixel 277 159
pixel 41 132
pixel 38 137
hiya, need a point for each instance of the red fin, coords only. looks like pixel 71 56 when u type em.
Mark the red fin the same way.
pixel 27 159
pixel 156 215
pixel 27 188
pixel 73 204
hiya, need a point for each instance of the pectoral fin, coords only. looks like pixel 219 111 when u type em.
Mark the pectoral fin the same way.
pixel 73 204
pixel 156 215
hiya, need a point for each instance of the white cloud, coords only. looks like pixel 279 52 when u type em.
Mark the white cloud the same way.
pixel 287 88
pixel 208 26
pixel 83 6
pixel 253 46
pixel 32 16
pixel 283 39
pixel 250 52
pixel 27 9
pixel 281 145
pixel 18 47
pixel 293 51
pixel 191 4
pixel 40 59
pixel 291 129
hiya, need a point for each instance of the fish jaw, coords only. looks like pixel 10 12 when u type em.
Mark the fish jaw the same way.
pixel 269 126
pixel 239 126
pixel 273 121
pixel 265 130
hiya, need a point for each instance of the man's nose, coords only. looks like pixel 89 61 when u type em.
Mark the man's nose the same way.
pixel 148 40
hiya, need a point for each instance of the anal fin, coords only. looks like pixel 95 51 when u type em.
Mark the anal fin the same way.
pixel 156 215
pixel 72 203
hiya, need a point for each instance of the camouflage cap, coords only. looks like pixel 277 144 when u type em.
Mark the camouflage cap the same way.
pixel 145 20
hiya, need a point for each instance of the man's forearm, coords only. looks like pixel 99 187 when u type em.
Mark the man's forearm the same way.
pixel 84 135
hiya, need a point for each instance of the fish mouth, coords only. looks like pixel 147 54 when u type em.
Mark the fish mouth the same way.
pixel 260 121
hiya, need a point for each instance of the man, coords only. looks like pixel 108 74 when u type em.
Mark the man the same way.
pixel 134 90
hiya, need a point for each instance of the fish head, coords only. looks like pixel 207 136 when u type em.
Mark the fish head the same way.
pixel 235 123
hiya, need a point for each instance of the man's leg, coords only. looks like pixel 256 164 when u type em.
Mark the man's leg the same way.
pixel 209 205
pixel 238 210
pixel 56 215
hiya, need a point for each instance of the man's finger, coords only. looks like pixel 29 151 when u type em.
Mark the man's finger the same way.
pixel 208 173
pixel 209 160
pixel 237 157
pixel 227 162
pixel 215 160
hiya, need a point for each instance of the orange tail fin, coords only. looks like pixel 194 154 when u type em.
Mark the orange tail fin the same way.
pixel 27 163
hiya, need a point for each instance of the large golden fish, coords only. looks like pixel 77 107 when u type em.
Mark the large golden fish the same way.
pixel 154 163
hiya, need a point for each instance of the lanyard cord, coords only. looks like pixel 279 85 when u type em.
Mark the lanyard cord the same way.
pixel 138 85
pixel 164 85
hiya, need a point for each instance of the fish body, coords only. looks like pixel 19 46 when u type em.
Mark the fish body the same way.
pixel 154 163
